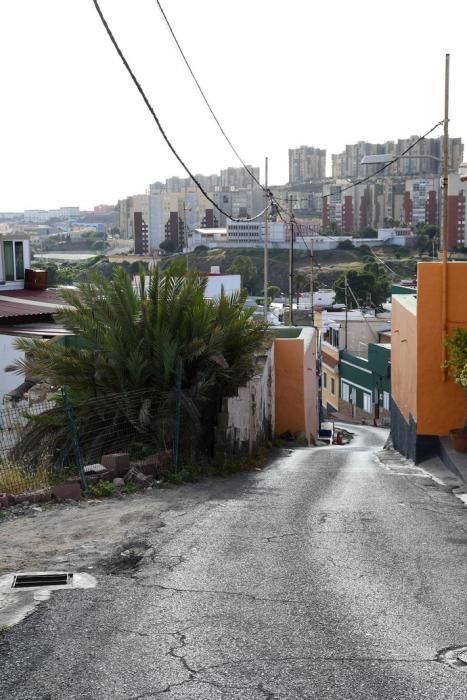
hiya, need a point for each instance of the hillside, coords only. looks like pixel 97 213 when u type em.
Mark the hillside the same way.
pixel 328 264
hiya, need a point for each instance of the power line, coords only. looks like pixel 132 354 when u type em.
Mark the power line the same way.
pixel 380 170
pixel 386 165
pixel 159 125
pixel 177 43
pixel 381 262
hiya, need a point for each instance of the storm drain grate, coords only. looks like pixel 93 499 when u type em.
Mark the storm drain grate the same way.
pixel 456 657
pixel 37 580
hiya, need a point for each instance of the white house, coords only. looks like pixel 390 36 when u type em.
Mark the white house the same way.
pixel 15 258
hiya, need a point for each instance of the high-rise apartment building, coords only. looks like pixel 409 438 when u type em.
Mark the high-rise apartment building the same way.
pixel 239 178
pixel 425 158
pixel 347 164
pixel 457 196
pixel 421 199
pixel 306 163
pixel 381 202
pixel 141 230
pixel 126 214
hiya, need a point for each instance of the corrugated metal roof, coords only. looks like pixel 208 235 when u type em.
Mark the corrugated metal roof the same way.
pixel 49 296
pixel 39 328
pixel 25 302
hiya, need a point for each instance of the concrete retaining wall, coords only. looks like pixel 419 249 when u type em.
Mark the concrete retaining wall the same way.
pixel 247 420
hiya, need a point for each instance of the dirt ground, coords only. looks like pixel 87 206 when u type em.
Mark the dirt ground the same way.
pixel 65 536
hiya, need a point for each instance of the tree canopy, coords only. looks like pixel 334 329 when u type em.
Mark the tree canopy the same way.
pixel 141 340
pixel 370 285
pixel 168 246
pixel 243 266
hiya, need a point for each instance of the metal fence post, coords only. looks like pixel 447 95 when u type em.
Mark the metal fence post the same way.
pixel 74 439
pixel 178 396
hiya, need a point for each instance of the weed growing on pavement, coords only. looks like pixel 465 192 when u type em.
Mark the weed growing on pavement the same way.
pixel 105 489
pixel 233 465
pixel 101 489
pixel 130 487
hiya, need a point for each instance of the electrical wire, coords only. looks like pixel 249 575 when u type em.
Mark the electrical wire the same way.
pixel 159 125
pixel 276 199
pixel 185 60
pixel 389 163
pixel 381 262
pixel 380 170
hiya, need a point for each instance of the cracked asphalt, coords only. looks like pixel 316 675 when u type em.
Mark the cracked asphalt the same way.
pixel 331 574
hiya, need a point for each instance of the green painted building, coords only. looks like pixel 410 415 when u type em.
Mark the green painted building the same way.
pixel 365 382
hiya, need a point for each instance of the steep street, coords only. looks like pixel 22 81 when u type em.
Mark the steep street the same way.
pixel 329 574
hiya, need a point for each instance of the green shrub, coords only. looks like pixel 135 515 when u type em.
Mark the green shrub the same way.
pixel 101 489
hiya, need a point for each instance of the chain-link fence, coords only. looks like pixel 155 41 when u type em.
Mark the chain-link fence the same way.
pixel 20 471
pixel 46 443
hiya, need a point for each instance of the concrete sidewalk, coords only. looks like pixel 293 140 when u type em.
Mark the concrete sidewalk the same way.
pixel 456 462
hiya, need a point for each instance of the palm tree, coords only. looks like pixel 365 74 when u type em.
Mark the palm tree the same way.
pixel 131 343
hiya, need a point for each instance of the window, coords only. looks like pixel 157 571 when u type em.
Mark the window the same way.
pixel 8 261
pixel 386 400
pixel 345 392
pixel 366 402
pixel 333 386
pixel 325 380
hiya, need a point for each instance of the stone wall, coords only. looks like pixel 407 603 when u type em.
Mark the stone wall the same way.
pixel 246 421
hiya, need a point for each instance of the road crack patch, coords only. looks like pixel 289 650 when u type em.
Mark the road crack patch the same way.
pixel 273 538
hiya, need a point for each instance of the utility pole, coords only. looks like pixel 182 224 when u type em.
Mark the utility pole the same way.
pixel 291 261
pixel 346 315
pixel 266 241
pixel 445 236
pixel 186 237
pixel 312 284
pixel 446 161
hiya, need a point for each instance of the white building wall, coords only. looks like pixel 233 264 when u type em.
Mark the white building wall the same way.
pixel 230 284
pixel 8 355
pixel 156 227
pixel 248 419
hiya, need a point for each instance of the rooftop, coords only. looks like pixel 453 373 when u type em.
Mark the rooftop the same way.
pixel 24 302
pixel 409 301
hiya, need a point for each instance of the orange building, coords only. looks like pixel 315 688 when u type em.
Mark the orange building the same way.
pixel 426 403
pixel 296 383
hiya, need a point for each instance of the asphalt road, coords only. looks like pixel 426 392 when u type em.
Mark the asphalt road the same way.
pixel 326 575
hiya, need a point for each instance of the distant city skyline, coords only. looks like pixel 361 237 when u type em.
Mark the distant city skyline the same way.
pixel 74 131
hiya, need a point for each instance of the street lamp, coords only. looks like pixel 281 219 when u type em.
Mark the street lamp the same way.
pixel 383 158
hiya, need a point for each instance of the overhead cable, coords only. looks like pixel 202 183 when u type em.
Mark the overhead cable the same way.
pixel 182 54
pixel 159 125
pixel 386 165
pixel 380 170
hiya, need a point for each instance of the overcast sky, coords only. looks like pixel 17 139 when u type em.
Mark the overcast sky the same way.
pixel 74 131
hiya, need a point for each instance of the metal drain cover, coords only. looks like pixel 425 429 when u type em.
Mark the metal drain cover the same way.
pixel 37 580
pixel 22 592
pixel 456 657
